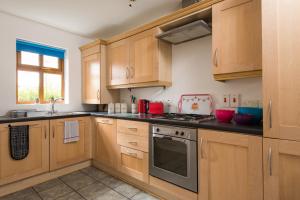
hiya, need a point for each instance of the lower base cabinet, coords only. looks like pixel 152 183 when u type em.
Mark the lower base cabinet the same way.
pixel 230 166
pixel 105 143
pixel 134 163
pixel 281 169
pixel 35 163
pixel 61 154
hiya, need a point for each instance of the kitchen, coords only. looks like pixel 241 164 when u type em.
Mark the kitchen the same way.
pixel 105 140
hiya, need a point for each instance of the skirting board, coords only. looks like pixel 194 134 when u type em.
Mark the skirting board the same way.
pixel 29 182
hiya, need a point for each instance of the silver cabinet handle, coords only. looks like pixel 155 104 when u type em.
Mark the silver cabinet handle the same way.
pixel 200 147
pixel 270 114
pixel 98 94
pixel 127 72
pixel 131 72
pixel 270 161
pixel 216 58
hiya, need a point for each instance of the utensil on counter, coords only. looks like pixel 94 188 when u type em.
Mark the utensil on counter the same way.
pixel 224 116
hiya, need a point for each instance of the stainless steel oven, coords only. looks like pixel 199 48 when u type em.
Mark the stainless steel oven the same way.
pixel 173 155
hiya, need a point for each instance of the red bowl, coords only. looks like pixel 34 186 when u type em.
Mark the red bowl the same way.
pixel 224 116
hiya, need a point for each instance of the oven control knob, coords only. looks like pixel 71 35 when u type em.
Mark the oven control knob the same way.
pixel 157 129
pixel 182 134
pixel 176 132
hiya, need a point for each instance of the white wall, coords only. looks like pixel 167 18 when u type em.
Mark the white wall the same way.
pixel 192 73
pixel 12 27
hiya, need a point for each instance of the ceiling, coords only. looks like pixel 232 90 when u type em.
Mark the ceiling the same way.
pixel 90 18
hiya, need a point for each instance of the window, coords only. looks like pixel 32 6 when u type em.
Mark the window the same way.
pixel 40 73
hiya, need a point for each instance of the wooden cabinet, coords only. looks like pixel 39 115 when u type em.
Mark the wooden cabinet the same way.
pixel 230 166
pixel 61 154
pixel 94 78
pixel 237 40
pixel 118 63
pixel 281 169
pixel 140 61
pixel 36 162
pixel 281 70
pixel 106 148
pixel 133 139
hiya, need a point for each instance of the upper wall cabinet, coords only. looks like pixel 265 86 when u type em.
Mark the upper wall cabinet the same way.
pixel 94 89
pixel 281 71
pixel 237 40
pixel 139 61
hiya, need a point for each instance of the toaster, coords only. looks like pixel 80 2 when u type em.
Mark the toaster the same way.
pixel 156 108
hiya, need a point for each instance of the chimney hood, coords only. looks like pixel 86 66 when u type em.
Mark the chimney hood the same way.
pixel 185 29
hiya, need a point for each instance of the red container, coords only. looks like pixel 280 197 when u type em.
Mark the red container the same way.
pixel 143 106
pixel 156 108
pixel 224 116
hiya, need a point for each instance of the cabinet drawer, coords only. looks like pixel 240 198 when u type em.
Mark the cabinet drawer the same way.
pixel 132 141
pixel 134 163
pixel 133 128
pixel 104 120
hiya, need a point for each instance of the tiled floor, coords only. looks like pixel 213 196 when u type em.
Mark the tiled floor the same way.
pixel 87 184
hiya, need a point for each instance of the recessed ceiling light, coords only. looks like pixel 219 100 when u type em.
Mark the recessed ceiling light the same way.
pixel 131 3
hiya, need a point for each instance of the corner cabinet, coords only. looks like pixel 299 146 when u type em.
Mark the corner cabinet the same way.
pixel 140 61
pixel 105 143
pixel 93 59
pixel 230 166
pixel 61 154
pixel 35 163
pixel 237 40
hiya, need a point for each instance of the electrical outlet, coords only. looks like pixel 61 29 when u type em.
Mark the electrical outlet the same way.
pixel 226 101
pixel 234 100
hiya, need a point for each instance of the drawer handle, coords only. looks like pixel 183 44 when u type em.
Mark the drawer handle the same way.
pixel 132 129
pixel 132 154
pixel 133 143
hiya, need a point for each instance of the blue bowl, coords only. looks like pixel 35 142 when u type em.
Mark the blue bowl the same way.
pixel 256 112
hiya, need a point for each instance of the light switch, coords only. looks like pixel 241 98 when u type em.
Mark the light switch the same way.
pixel 226 101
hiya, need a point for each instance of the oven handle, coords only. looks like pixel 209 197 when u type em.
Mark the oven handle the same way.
pixel 169 137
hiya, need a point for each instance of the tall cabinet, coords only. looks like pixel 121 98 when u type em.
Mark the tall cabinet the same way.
pixel 281 72
pixel 94 79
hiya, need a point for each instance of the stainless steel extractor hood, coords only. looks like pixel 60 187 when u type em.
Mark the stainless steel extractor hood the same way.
pixel 187 32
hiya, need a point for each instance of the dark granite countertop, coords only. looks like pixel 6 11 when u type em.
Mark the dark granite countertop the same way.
pixel 211 124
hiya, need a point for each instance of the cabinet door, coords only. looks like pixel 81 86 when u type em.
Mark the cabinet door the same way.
pixel 281 169
pixel 281 69
pixel 91 79
pixel 134 163
pixel 144 57
pixel 106 147
pixel 236 36
pixel 118 62
pixel 230 166
pixel 62 154
pixel 36 162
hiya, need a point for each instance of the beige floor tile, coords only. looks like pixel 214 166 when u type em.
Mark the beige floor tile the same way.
pixel 143 196
pixel 92 191
pixel 77 180
pixel 55 192
pixel 47 185
pixel 111 182
pixel 95 173
pixel 71 196
pixel 110 195
pixel 127 190
pixel 27 194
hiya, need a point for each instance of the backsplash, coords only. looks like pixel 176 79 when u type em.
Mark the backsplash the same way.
pixel 192 74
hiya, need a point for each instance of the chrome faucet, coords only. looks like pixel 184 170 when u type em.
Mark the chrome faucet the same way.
pixel 53 101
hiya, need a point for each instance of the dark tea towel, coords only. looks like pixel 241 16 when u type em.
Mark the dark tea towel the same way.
pixel 19 142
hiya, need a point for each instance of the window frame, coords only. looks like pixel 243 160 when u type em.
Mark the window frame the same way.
pixel 41 70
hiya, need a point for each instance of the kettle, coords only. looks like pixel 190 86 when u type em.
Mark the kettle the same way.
pixel 143 106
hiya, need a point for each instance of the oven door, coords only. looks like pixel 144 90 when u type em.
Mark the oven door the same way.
pixel 174 160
